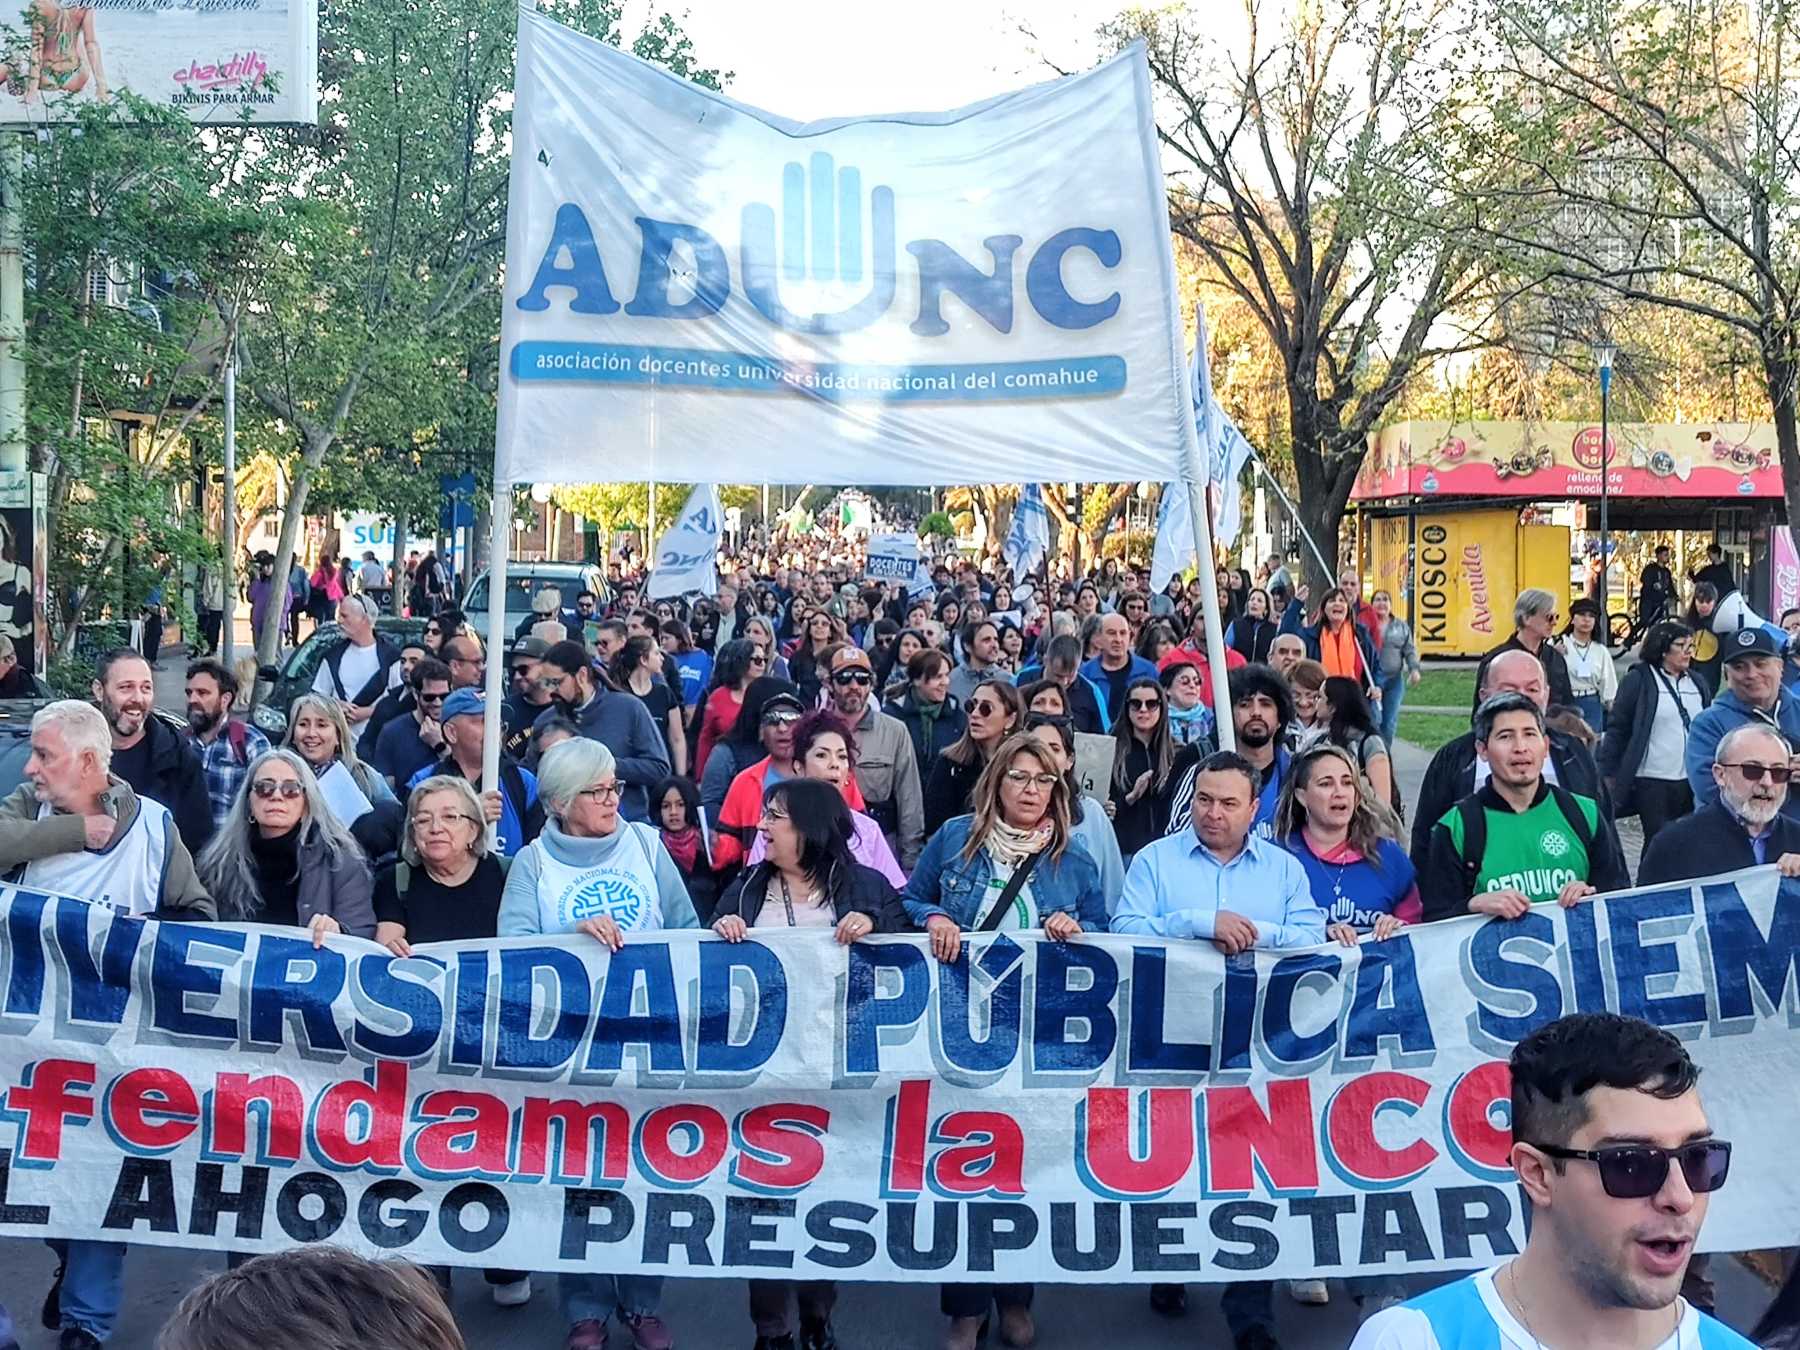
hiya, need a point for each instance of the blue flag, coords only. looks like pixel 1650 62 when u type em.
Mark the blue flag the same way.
pixel 1028 541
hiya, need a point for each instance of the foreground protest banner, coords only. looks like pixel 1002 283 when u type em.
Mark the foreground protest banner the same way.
pixel 1108 1109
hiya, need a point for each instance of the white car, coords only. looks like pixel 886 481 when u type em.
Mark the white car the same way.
pixel 523 582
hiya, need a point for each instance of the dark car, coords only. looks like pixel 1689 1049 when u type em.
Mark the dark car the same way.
pixel 295 675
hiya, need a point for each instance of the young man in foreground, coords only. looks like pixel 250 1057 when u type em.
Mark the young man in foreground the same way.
pixel 1613 1149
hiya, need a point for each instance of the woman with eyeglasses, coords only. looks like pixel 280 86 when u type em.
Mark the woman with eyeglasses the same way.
pixel 1011 865
pixel 735 665
pixel 638 669
pixel 994 712
pixel 1190 720
pixel 1643 756
pixel 587 849
pixel 824 751
pixel 1090 825
pixel 282 857
pixel 1147 763
pixel 761 631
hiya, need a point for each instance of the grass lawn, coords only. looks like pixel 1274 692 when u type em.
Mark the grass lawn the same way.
pixel 1442 688
pixel 1430 730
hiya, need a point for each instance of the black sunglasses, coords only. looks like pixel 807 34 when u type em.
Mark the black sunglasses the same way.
pixel 1637 1171
pixel 1753 773
pixel 1148 704
pixel 853 677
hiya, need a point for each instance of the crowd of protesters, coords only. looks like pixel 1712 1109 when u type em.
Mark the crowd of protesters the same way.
pixel 805 749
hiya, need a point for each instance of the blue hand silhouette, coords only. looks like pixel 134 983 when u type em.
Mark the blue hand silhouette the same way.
pixel 833 201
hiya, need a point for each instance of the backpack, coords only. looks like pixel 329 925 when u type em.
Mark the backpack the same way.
pixel 237 736
pixel 1474 824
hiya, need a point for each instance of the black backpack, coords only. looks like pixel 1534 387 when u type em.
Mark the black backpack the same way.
pixel 1474 824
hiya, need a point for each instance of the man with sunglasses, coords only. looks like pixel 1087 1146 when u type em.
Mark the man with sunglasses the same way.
pixel 1518 840
pixel 1534 624
pixel 1613 1149
pixel 1752 669
pixel 411 742
pixel 887 768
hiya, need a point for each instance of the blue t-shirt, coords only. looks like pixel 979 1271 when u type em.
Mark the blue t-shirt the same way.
pixel 1470 1315
pixel 1356 893
pixel 512 829
pixel 695 669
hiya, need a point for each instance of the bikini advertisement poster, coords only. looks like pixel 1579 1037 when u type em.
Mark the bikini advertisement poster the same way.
pixel 216 61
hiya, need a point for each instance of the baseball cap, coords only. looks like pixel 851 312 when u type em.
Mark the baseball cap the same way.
pixel 1750 642
pixel 463 703
pixel 532 648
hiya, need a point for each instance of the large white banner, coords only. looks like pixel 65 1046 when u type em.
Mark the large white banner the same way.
pixel 212 60
pixel 1107 1109
pixel 699 290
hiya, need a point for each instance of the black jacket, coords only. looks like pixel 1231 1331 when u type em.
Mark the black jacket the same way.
pixel 948 788
pixel 947 730
pixel 863 891
pixel 386 654
pixel 176 779
pixel 1708 843
pixel 1628 724
pixel 1451 776
pixel 1443 881
pixel 1556 672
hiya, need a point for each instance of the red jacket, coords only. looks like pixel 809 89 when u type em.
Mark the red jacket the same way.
pixel 743 808
pixel 1186 652
pixel 722 708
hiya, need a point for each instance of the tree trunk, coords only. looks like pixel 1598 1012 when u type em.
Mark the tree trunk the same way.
pixel 1781 366
pixel 317 443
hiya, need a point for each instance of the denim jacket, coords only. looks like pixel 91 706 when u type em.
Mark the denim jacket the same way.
pixel 943 883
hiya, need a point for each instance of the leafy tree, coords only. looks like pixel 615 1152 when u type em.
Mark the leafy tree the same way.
pixel 385 332
pixel 1312 177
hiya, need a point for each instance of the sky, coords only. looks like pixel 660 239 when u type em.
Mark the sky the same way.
pixel 838 58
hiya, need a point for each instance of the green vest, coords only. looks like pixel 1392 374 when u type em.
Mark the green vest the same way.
pixel 1535 852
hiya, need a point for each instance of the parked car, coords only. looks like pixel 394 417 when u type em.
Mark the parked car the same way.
pixel 15 737
pixel 523 581
pixel 295 674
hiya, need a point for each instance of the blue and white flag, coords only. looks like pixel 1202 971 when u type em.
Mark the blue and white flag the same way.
pixel 1028 541
pixel 985 295
pixel 687 554
pixel 1223 454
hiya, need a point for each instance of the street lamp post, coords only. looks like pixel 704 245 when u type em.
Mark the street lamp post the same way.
pixel 1603 357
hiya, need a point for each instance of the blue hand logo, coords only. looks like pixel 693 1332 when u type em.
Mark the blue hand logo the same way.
pixel 833 201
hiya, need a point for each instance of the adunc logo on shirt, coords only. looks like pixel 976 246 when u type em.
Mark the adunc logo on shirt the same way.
pixel 1554 843
pixel 604 893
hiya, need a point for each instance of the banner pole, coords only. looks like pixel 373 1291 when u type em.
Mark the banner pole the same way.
pixel 499 544
pixel 1209 606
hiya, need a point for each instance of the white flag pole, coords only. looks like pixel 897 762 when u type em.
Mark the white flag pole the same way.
pixel 1209 606
pixel 499 543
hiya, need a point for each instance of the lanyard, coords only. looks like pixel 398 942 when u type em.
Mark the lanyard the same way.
pixel 787 899
pixel 1687 723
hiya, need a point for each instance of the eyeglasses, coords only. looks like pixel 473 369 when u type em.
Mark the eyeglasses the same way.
pixel 1143 704
pixel 1753 772
pixel 447 821
pixel 861 677
pixel 432 698
pixel 1637 1171
pixel 758 659
pixel 285 788
pixel 604 792
pixel 982 707
pixel 779 717
pixel 1019 778
pixel 774 813
pixel 551 683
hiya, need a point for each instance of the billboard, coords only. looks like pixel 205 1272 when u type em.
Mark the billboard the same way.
pixel 212 60
pixel 1536 460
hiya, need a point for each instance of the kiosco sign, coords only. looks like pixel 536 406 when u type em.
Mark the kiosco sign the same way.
pixel 213 60
pixel 1469 566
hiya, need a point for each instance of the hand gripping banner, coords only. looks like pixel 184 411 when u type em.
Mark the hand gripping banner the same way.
pixel 1109 1109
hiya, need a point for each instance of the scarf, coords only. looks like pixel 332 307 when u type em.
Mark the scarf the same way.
pixel 928 716
pixel 683 846
pixel 1337 651
pixel 1010 846
pixel 1189 725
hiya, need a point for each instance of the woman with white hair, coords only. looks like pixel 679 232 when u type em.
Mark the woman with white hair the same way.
pixel 593 872
pixel 282 858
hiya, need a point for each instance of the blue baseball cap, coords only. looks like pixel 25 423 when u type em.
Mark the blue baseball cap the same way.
pixel 463 703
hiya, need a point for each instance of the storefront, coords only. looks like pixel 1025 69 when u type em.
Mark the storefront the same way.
pixel 1458 517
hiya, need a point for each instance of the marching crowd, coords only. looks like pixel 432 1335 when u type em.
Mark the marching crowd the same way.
pixel 806 749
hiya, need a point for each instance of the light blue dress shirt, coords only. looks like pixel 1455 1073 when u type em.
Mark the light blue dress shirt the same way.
pixel 1176 888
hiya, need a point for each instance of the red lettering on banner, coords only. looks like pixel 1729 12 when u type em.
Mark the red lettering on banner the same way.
pixel 379 1110
pixel 1240 1139
pixel 700 1126
pixel 44 1098
pixel 778 1146
pixel 152 1110
pixel 276 1099
pixel 1350 1129
pixel 988 1157
pixel 903 1160
pixel 470 1133
pixel 571 1162
pixel 1105 1134
pixel 1481 1145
